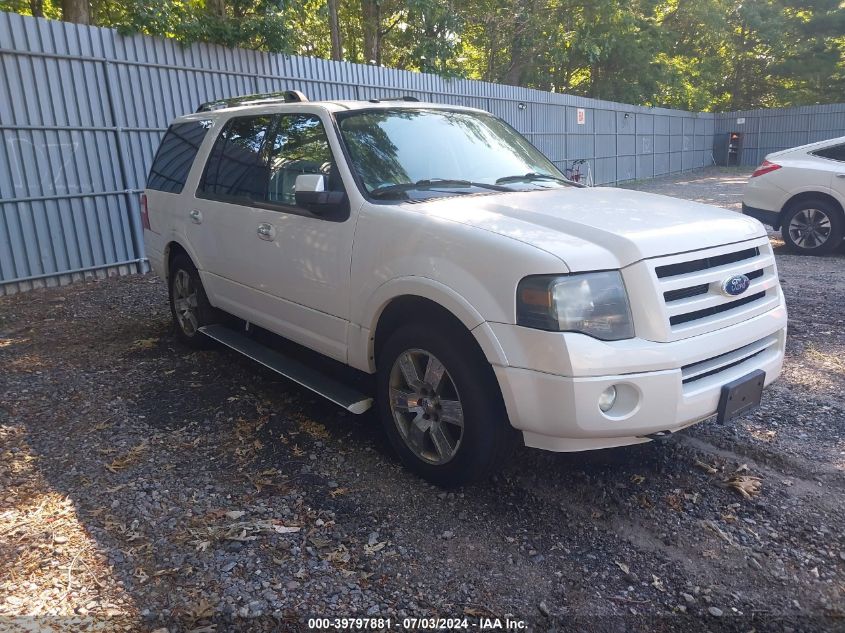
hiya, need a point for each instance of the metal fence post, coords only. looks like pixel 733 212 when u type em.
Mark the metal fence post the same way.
pixel 129 193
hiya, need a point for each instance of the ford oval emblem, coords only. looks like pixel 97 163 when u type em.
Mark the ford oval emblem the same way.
pixel 736 285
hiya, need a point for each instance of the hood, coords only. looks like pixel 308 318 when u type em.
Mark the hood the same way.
pixel 599 228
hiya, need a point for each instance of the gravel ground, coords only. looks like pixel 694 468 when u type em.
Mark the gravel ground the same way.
pixel 143 486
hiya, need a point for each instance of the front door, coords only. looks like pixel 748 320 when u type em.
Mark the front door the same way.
pixel 279 265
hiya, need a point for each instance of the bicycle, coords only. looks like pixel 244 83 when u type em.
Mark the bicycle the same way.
pixel 575 174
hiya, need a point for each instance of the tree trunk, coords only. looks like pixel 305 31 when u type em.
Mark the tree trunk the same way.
pixel 371 20
pixel 334 27
pixel 36 7
pixel 217 8
pixel 519 62
pixel 78 11
pixel 522 45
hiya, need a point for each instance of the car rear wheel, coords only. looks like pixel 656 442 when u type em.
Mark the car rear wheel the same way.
pixel 441 407
pixel 189 304
pixel 812 227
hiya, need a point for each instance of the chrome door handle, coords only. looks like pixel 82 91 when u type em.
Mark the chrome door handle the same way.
pixel 196 216
pixel 266 231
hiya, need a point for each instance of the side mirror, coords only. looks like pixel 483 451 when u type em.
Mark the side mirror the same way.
pixel 310 193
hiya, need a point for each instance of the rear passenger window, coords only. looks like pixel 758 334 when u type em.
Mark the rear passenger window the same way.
pixel 237 166
pixel 299 147
pixel 175 156
pixel 837 152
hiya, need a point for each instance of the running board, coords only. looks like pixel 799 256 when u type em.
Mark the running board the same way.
pixel 316 381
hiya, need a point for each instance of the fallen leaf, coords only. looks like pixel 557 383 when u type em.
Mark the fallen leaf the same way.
pixel 706 467
pixel 719 532
pixel 336 492
pixel 201 610
pixel 476 612
pixel 340 556
pixel 675 502
pixel 235 514
pixel 637 479
pixel 657 583
pixel 623 567
pixel 144 343
pixel 372 549
pixel 125 461
pixel 746 485
pixel 285 529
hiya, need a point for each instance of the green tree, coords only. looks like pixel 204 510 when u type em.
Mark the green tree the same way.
pixel 693 54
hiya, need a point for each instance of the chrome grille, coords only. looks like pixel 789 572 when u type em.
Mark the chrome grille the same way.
pixel 688 296
pixel 682 268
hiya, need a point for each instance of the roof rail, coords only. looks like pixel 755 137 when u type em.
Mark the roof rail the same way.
pixel 286 96
pixel 402 98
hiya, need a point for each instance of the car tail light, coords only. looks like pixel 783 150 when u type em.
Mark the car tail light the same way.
pixel 765 168
pixel 145 214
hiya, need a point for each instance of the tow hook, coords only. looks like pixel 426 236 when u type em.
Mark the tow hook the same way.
pixel 660 435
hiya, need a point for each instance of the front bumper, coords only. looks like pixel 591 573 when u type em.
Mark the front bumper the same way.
pixel 560 412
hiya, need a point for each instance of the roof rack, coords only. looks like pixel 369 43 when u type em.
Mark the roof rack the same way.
pixel 286 96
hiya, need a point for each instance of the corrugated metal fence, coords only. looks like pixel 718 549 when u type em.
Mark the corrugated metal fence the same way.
pixel 766 131
pixel 82 110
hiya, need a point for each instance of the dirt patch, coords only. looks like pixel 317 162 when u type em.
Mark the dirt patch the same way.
pixel 195 488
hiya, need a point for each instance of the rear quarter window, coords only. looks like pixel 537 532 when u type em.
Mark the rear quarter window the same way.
pixel 175 155
pixel 835 152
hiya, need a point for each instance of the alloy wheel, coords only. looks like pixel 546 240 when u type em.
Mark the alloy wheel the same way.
pixel 426 406
pixel 185 302
pixel 809 228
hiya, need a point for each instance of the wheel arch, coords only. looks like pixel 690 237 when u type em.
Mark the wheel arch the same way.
pixel 414 299
pixel 806 196
pixel 173 248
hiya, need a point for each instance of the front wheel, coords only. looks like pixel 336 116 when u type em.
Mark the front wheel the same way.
pixel 441 407
pixel 812 227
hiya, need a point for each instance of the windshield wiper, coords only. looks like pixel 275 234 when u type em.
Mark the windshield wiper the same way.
pixel 431 183
pixel 531 177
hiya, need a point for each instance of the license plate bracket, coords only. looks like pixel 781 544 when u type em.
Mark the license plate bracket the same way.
pixel 741 396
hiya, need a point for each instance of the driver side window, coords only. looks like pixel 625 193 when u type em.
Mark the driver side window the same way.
pixel 299 147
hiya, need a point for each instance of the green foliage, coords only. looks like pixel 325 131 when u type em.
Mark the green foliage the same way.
pixel 693 54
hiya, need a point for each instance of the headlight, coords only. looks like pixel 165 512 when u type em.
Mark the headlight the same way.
pixel 591 303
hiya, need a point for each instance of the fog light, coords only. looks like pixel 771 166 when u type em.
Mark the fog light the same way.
pixel 607 398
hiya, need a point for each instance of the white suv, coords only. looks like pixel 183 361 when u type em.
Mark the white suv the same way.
pixel 801 191
pixel 435 248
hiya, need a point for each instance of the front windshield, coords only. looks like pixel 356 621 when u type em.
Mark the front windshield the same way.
pixel 423 153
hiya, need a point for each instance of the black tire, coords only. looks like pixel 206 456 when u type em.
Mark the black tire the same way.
pixel 487 437
pixel 822 218
pixel 203 313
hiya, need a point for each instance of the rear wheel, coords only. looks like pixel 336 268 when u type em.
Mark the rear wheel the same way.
pixel 441 407
pixel 189 304
pixel 812 227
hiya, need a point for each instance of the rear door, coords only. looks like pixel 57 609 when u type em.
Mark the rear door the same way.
pixel 833 160
pixel 163 214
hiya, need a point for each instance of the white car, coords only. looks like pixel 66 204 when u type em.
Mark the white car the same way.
pixel 433 247
pixel 801 191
